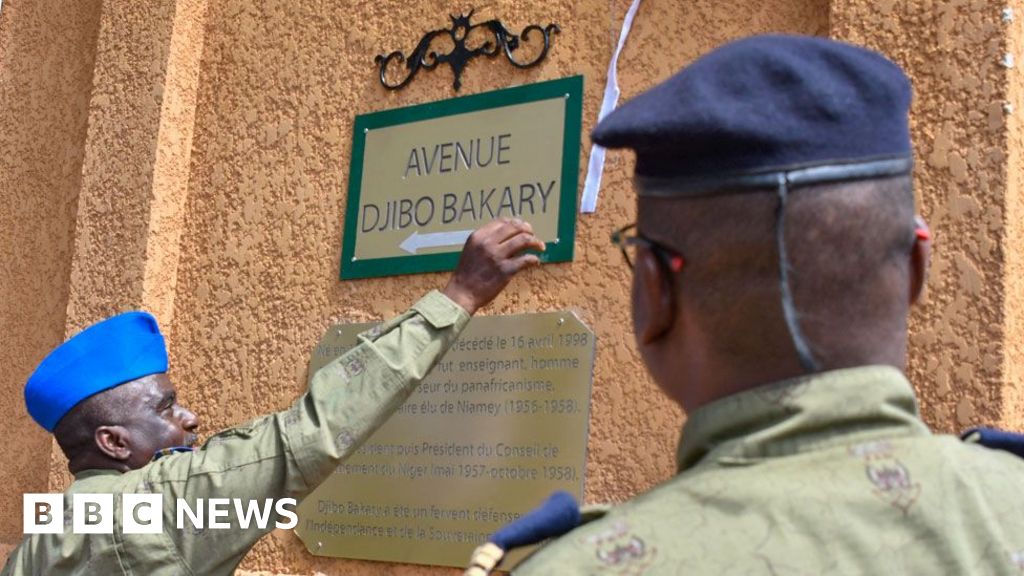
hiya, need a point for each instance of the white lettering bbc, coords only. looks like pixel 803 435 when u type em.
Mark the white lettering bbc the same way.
pixel 143 513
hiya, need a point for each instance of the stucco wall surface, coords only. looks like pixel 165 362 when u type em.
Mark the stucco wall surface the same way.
pixel 134 171
pixel 257 285
pixel 117 172
pixel 47 49
pixel 955 56
pixel 1013 392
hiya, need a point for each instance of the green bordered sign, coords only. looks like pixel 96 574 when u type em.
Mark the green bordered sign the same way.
pixel 424 177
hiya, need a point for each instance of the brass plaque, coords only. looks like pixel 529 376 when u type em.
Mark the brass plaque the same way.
pixel 499 424
pixel 423 177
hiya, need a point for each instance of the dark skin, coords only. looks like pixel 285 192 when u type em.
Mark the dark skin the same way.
pixel 717 328
pixel 123 427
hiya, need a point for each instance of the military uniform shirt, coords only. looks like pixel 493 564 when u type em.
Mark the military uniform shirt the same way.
pixel 823 475
pixel 286 454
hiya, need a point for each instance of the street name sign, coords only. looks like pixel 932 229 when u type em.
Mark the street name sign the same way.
pixel 422 178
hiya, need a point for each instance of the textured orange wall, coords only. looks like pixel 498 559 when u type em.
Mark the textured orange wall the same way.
pixel 46 62
pixel 115 196
pixel 1013 279
pixel 135 167
pixel 960 336
pixel 280 85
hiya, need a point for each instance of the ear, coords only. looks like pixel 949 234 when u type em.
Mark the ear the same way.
pixel 920 258
pixel 654 296
pixel 113 442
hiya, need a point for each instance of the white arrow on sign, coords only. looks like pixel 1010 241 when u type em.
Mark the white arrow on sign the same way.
pixel 415 241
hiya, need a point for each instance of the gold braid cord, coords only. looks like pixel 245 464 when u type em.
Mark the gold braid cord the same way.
pixel 484 560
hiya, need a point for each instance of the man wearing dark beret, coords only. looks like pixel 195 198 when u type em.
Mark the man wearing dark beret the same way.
pixel 775 258
pixel 105 396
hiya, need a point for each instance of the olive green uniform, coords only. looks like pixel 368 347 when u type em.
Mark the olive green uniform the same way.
pixel 286 454
pixel 830 474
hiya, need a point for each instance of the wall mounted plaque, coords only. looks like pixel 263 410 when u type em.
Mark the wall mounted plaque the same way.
pixel 423 178
pixel 499 424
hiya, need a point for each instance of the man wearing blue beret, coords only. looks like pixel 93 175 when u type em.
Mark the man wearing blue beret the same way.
pixel 105 396
pixel 775 258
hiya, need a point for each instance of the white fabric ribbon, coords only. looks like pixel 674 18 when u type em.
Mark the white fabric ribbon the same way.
pixel 595 167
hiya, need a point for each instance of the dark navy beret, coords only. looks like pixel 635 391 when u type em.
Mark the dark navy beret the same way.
pixel 117 350
pixel 766 104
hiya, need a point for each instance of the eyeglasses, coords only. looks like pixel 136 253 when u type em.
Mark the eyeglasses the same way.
pixel 627 240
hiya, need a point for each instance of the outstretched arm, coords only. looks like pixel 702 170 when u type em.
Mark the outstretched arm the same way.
pixel 289 453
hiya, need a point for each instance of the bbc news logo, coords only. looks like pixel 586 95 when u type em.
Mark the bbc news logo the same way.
pixel 144 513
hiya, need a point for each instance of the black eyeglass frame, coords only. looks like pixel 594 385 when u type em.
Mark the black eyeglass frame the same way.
pixel 671 258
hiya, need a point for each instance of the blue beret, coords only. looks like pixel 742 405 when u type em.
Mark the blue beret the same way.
pixel 117 350
pixel 766 104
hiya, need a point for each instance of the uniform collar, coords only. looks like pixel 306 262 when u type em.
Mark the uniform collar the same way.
pixel 82 475
pixel 92 472
pixel 801 414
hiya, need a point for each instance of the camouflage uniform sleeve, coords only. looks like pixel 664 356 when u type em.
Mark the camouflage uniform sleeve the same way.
pixel 566 555
pixel 558 557
pixel 289 453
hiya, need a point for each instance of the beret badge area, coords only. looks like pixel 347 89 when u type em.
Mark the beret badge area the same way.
pixel 119 349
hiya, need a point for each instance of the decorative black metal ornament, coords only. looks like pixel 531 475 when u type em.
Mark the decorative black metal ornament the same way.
pixel 504 41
